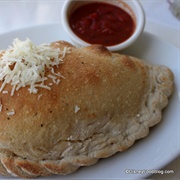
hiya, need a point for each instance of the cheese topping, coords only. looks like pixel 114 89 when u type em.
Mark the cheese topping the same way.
pixel 76 109
pixel 0 106
pixel 24 63
pixel 11 113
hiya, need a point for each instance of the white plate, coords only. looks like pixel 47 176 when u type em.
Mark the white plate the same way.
pixel 161 145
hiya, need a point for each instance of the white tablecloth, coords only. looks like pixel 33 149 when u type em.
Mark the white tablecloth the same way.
pixel 159 21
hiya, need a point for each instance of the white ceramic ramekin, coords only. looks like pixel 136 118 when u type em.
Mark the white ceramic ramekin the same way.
pixel 133 7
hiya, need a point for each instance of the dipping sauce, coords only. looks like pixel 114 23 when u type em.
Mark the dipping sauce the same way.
pixel 101 23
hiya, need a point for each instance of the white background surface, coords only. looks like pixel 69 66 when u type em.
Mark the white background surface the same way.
pixel 159 21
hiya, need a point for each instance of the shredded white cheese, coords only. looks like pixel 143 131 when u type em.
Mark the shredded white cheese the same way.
pixel 5 92
pixel 11 113
pixel 23 64
pixel 39 96
pixel 0 106
pixel 138 115
pixel 58 81
pixel 70 138
pixel 76 109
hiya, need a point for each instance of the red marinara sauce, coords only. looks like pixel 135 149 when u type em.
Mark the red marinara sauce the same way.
pixel 101 23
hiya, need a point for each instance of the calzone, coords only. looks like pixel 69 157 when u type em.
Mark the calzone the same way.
pixel 63 107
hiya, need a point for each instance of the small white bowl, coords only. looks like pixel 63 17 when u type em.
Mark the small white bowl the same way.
pixel 133 7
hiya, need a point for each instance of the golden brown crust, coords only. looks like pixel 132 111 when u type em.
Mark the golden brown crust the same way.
pixel 103 104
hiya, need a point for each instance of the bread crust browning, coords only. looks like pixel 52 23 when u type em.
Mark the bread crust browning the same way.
pixel 104 103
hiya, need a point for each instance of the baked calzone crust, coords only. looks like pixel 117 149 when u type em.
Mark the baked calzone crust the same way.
pixel 101 104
